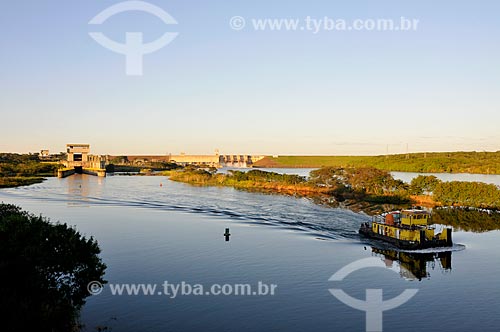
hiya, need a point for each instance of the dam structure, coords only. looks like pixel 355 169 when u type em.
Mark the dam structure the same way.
pixel 79 160
pixel 214 160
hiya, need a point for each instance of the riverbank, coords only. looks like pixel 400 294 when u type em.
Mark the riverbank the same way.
pixel 367 190
pixel 24 169
pixel 11 182
pixel 252 180
pixel 437 162
pixel 364 189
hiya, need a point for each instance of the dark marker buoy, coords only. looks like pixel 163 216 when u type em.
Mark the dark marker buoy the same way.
pixel 227 234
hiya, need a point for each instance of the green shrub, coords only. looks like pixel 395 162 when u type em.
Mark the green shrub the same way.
pixel 45 269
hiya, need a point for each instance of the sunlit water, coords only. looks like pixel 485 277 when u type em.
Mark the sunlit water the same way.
pixel 151 230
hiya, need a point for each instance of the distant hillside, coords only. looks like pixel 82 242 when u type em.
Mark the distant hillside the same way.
pixel 435 162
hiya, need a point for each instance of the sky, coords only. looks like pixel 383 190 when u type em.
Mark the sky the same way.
pixel 252 92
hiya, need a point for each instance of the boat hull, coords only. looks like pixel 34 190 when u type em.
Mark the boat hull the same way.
pixel 403 244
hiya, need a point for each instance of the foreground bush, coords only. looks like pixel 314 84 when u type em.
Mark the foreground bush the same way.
pixel 45 270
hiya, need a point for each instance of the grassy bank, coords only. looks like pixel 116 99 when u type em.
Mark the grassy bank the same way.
pixel 24 169
pixel 9 182
pixel 442 162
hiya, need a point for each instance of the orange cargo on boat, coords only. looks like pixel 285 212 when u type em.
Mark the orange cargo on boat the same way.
pixel 389 219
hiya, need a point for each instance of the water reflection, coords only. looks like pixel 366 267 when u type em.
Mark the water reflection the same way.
pixel 467 219
pixel 81 187
pixel 415 266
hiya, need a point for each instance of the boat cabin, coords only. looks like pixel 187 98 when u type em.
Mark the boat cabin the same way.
pixel 415 217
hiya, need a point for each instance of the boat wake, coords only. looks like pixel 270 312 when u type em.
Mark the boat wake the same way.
pixel 290 213
pixel 455 247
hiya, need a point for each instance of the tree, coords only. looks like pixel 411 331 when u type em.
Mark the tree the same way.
pixel 45 268
pixel 472 194
pixel 331 177
pixel 423 184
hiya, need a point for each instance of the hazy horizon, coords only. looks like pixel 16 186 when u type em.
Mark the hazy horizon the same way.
pixel 124 153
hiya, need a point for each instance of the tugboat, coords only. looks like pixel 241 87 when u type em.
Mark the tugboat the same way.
pixel 407 229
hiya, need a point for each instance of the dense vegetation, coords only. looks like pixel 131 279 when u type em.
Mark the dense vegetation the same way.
pixel 121 164
pixel 343 185
pixel 423 185
pixel 457 193
pixel 437 162
pixel 251 180
pixel 23 169
pixel 365 179
pixel 45 269
pixel 471 194
pixel 12 164
pixel 350 184
pixel 365 184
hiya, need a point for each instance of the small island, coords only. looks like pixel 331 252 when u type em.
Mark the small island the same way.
pixel 365 189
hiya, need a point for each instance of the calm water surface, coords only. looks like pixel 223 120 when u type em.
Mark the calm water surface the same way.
pixel 151 233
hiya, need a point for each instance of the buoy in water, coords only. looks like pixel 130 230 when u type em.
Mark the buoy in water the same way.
pixel 161 184
pixel 227 234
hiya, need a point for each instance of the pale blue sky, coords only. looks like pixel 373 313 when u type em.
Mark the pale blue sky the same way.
pixel 295 92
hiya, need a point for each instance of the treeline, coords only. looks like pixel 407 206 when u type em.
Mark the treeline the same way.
pixel 436 162
pixel 12 164
pixel 123 164
pixel 364 184
pixel 365 179
pixel 457 193
pixel 258 175
pixel 472 194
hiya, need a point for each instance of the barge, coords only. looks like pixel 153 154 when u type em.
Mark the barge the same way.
pixel 407 229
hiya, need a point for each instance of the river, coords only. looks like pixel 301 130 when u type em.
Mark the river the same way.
pixel 152 230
